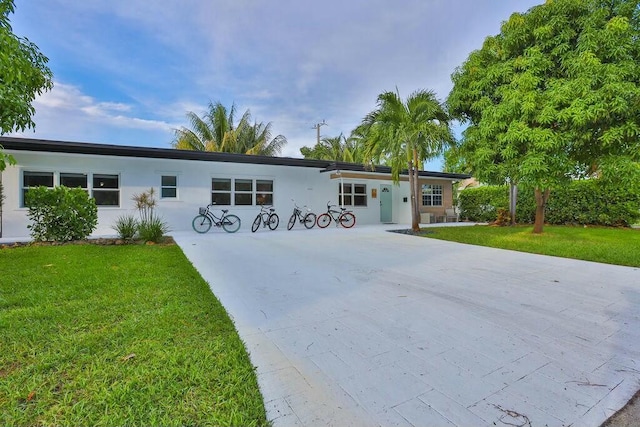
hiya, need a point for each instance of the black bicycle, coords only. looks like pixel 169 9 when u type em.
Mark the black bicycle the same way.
pixel 343 217
pixel 267 217
pixel 206 218
pixel 308 219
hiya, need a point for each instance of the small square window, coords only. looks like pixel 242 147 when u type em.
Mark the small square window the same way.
pixel 168 187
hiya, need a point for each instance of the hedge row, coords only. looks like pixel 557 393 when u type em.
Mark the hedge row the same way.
pixel 585 202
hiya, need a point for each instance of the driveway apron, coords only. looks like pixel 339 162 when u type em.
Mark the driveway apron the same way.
pixel 364 327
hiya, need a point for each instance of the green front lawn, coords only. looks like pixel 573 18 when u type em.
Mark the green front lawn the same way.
pixel 619 246
pixel 118 335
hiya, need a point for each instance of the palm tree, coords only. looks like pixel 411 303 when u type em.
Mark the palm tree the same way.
pixel 216 131
pixel 406 134
pixel 339 148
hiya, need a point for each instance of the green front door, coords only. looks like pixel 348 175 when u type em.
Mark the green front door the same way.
pixel 386 207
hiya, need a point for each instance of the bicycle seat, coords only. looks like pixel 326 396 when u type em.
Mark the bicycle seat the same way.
pixel 271 209
pixel 225 210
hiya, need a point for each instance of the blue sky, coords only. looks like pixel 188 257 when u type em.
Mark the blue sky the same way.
pixel 127 71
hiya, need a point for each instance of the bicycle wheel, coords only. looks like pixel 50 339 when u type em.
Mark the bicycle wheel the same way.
pixel 324 220
pixel 309 220
pixel 273 221
pixel 292 222
pixel 201 224
pixel 231 223
pixel 347 220
pixel 256 223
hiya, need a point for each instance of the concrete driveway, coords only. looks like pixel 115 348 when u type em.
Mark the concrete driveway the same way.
pixel 365 327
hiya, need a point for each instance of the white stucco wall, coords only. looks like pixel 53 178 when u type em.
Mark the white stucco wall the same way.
pixel 306 185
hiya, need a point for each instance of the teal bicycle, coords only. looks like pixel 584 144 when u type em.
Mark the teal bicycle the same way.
pixel 206 219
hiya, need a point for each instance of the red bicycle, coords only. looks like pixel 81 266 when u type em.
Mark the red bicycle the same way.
pixel 343 217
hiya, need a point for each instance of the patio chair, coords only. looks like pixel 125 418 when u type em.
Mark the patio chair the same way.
pixel 451 215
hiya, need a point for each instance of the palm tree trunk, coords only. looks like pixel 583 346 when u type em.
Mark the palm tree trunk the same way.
pixel 415 225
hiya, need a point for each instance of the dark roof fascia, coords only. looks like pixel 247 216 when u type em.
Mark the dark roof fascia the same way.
pixel 354 167
pixel 42 145
pixel 49 146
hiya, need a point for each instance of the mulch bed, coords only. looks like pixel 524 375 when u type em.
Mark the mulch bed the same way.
pixel 167 240
pixel 411 232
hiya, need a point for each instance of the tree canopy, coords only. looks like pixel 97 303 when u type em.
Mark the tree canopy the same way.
pixel 216 131
pixel 339 148
pixel 406 134
pixel 23 75
pixel 553 97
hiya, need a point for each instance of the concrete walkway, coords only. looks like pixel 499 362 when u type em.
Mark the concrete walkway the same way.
pixel 363 327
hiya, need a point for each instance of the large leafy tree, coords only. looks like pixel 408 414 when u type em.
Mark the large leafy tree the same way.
pixel 216 130
pixel 339 148
pixel 553 97
pixel 406 134
pixel 23 75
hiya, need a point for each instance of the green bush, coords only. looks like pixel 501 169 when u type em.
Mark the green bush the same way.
pixel 152 229
pixel 126 226
pixel 60 214
pixel 481 204
pixel 583 202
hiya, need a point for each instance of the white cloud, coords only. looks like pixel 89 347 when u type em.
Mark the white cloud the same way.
pixel 139 66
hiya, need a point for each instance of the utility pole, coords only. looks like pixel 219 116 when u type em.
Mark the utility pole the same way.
pixel 317 128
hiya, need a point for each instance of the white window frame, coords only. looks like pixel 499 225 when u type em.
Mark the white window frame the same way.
pixel 24 188
pixel 255 193
pixel 163 187
pixel 348 198
pixel 263 193
pixel 106 190
pixel 431 192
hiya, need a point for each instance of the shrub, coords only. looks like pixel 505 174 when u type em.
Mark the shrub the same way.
pixel 126 226
pixel 581 202
pixel 61 213
pixel 482 203
pixel 152 229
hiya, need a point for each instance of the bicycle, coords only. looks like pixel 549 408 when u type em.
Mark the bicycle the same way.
pixel 205 219
pixel 343 217
pixel 267 217
pixel 309 219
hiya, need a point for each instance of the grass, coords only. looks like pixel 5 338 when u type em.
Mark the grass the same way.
pixel 620 246
pixel 118 335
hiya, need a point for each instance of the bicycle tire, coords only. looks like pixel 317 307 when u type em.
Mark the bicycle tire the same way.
pixel 273 221
pixel 256 223
pixel 309 220
pixel 324 220
pixel 292 222
pixel 201 224
pixel 347 220
pixel 231 223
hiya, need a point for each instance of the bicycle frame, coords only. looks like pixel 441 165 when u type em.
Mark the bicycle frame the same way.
pixel 206 218
pixel 343 217
pixel 217 221
pixel 266 217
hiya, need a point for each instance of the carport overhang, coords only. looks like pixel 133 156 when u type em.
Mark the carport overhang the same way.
pixel 340 170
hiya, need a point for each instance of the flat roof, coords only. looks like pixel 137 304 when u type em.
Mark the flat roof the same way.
pixel 44 145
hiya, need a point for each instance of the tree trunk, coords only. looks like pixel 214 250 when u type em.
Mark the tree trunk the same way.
pixel 415 224
pixel 416 185
pixel 541 203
